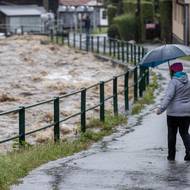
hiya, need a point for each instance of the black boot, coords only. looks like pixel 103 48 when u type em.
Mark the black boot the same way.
pixel 187 156
pixel 171 154
pixel 171 158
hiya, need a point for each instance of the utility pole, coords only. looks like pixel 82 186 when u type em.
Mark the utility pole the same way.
pixel 186 24
pixel 138 21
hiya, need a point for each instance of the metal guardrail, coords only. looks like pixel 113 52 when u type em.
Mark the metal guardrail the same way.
pixel 118 49
pixel 140 81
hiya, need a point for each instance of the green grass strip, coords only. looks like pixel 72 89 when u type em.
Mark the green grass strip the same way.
pixel 17 164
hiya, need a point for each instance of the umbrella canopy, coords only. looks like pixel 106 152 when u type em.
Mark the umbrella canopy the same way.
pixel 164 54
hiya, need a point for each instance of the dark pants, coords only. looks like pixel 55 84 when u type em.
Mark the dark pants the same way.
pixel 175 123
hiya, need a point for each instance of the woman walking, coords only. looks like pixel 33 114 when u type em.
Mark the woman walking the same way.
pixel 177 103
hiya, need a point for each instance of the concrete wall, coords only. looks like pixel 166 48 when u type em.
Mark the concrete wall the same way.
pixel 178 18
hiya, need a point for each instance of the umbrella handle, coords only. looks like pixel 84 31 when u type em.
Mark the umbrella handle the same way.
pixel 169 69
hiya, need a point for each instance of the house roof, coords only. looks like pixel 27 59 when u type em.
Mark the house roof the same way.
pixel 78 2
pixel 22 10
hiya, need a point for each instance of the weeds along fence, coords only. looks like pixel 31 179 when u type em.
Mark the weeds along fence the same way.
pixel 139 83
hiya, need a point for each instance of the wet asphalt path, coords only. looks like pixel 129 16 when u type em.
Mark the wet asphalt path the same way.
pixel 134 158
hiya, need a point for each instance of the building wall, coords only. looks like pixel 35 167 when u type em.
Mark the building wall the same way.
pixel 30 23
pixel 178 22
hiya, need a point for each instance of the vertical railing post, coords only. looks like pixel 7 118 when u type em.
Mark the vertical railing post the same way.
pixel 110 47
pixel 74 39
pixel 51 35
pixel 62 37
pixel 126 90
pixel 118 50
pixel 139 53
pixel 98 44
pixel 21 125
pixel 135 84
pixel 57 40
pixel 143 52
pixel 68 39
pixel 123 55
pixel 135 55
pixel 141 82
pixel 104 45
pixel 144 78
pixel 147 76
pixel 115 97
pixel 92 43
pixel 87 42
pixel 114 47
pixel 127 44
pixel 131 52
pixel 102 103
pixel 83 110
pixel 56 120
pixel 22 30
pixel 80 41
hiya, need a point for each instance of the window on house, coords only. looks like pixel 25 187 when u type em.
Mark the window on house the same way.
pixel 104 14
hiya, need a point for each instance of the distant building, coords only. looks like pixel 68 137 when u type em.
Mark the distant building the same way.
pixel 72 12
pixel 181 21
pixel 21 2
pixel 50 5
pixel 13 18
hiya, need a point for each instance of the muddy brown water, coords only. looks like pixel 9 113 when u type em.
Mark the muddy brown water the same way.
pixel 32 72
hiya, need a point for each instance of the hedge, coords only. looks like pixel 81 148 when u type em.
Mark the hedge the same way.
pixel 126 26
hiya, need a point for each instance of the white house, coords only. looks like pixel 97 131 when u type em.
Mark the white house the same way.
pixel 72 12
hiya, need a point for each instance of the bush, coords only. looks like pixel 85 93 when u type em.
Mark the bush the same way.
pixel 113 32
pixel 126 25
pixel 112 11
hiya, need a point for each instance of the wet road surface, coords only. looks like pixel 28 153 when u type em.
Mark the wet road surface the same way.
pixel 134 158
